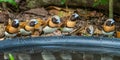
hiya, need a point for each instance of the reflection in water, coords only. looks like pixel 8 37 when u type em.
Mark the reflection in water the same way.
pixel 62 56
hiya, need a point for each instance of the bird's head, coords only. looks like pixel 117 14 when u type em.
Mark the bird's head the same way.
pixel 33 22
pixel 15 23
pixel 74 17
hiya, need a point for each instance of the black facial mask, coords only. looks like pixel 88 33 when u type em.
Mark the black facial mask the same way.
pixel 15 24
pixel 54 20
pixel 32 23
pixel 108 23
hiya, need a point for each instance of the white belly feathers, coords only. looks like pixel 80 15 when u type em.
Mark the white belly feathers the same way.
pixel 10 35
pixel 48 29
pixel 24 32
pixel 66 29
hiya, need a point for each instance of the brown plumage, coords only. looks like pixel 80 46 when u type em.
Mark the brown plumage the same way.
pixel 118 31
pixel 22 24
pixel 118 34
pixel 52 24
pixel 41 23
pixel 70 22
pixel 12 29
pixel 109 25
pixel 28 27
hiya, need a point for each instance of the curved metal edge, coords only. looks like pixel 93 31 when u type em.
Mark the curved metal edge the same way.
pixel 97 45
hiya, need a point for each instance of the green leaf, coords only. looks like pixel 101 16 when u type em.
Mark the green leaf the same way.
pixel 11 56
pixel 1 0
pixel 10 1
pixel 63 1
pixel 104 2
pixel 96 4
pixel 100 2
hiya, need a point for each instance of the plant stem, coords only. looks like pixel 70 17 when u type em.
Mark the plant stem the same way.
pixel 4 5
pixel 66 4
pixel 110 8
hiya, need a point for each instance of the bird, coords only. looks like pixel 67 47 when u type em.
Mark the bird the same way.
pixel 90 30
pixel 39 27
pixel 70 23
pixel 41 23
pixel 52 24
pixel 108 27
pixel 12 28
pixel 27 27
pixel 118 34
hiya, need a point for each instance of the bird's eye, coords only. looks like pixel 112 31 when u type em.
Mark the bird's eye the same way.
pixel 56 21
pixel 15 23
pixel 32 23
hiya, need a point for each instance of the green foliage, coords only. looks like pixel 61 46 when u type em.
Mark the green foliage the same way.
pixel 63 1
pixel 11 56
pixel 10 1
pixel 100 2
